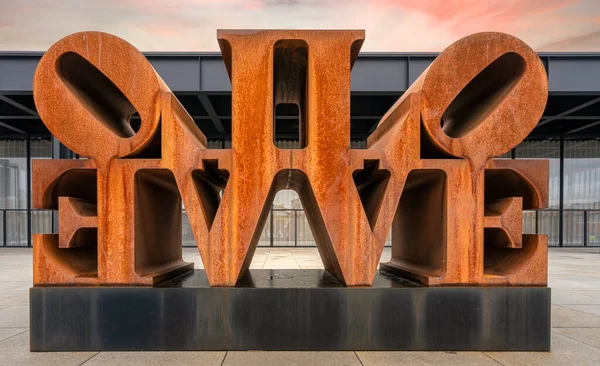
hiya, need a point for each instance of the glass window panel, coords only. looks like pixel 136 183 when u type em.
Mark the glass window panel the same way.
pixel 265 237
pixel 13 174
pixel 593 229
pixel 16 228
pixel 573 228
pixel 290 226
pixel 545 149
pixel 582 174
pixel 41 148
pixel 548 223
pixel 304 234
pixel 187 236
pixel 388 241
pixel 2 228
pixel 287 198
pixel 284 228
pixel 529 222
pixel 41 222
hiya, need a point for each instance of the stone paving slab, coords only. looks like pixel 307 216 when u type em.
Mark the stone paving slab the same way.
pixel 156 358
pixel 565 351
pixel 14 351
pixel 562 297
pixel 589 336
pixel 574 278
pixel 291 358
pixel 11 332
pixel 563 317
pixel 15 316
pixel 586 308
pixel 426 358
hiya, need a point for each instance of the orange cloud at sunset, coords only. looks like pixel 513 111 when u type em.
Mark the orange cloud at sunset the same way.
pixel 391 25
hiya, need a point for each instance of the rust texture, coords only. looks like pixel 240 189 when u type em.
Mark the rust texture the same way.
pixel 427 173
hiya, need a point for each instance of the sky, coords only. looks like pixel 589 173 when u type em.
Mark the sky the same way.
pixel 391 25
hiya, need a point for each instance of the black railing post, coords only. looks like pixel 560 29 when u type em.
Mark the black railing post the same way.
pixel 561 192
pixel 585 228
pixel 271 225
pixel 28 154
pixel 4 227
pixel 295 228
pixel 55 155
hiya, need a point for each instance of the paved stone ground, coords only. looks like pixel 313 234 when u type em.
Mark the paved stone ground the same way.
pixel 574 278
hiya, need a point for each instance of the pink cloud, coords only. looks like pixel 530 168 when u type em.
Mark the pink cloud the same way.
pixel 391 25
pixel 579 43
pixel 469 16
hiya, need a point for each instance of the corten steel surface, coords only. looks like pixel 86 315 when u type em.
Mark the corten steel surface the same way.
pixel 427 173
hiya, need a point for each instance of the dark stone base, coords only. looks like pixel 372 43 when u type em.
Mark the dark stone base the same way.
pixel 289 310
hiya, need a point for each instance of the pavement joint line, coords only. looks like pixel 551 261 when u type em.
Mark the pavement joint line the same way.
pixel 582 312
pixel 14 335
pixel 10 306
pixel 359 360
pixel 224 357
pixel 492 358
pixel 92 356
pixel 573 339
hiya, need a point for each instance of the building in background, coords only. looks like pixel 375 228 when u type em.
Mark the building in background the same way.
pixel 568 135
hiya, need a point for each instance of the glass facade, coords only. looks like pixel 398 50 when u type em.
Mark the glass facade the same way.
pixel 546 221
pixel 17 220
pixel 572 218
pixel 287 225
pixel 581 192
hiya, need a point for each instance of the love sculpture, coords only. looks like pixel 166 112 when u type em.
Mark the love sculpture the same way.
pixel 428 172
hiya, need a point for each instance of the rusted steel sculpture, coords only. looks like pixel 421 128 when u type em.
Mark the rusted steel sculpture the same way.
pixel 427 173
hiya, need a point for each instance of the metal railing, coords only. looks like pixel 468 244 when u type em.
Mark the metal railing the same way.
pixel 288 227
pixel 580 227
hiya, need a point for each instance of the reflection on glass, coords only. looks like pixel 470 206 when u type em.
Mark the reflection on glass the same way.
pixel 13 174
pixel 305 236
pixel 265 237
pixel 593 229
pixel 284 228
pixel 545 149
pixel 41 222
pixel 582 174
pixel 16 228
pixel 289 224
pixel 573 231
pixel 13 191
pixel 581 184
pixel 529 222
pixel 581 190
pixel 187 236
pixel 548 223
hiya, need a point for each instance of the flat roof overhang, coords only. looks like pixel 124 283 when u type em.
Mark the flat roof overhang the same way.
pixel 201 83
